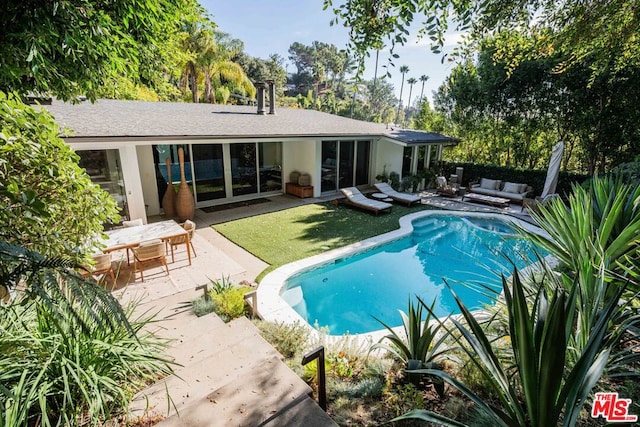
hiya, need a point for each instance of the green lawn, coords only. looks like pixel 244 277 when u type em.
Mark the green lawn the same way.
pixel 285 236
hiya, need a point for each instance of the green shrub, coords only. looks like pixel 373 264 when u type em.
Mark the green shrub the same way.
pixel 364 388
pixel 222 285
pixel 289 340
pixel 202 306
pixel 230 303
pixel 59 367
pixel 225 299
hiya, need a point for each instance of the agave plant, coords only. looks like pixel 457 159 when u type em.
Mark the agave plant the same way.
pixel 554 389
pixel 420 341
pixel 595 239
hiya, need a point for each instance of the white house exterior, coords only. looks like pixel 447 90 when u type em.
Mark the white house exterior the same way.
pixel 231 152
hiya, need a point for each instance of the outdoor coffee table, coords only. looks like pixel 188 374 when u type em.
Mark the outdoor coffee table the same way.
pixel 487 200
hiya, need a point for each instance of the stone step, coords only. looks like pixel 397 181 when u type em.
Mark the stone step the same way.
pixel 207 366
pixel 205 335
pixel 269 394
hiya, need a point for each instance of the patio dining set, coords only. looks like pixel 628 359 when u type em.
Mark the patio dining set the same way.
pixel 147 243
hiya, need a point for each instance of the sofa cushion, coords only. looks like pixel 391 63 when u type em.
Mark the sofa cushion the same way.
pixel 512 187
pixel 489 184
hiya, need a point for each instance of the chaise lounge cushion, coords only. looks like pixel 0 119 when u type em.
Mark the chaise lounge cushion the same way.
pixel 397 196
pixel 356 198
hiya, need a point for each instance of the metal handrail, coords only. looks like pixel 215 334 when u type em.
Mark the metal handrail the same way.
pixel 318 354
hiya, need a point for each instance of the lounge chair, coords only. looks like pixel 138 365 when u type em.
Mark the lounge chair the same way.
pixel 397 196
pixel 356 198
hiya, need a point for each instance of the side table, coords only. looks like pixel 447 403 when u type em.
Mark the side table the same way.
pixel 381 196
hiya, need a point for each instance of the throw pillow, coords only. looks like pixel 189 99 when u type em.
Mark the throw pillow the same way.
pixel 512 187
pixel 523 188
pixel 489 184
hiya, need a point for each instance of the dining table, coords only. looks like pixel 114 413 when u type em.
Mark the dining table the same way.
pixel 131 237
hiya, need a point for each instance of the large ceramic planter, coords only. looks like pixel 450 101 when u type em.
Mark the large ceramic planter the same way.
pixel 185 204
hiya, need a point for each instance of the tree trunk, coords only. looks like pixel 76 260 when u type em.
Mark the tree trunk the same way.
pixel 194 82
pixel 208 92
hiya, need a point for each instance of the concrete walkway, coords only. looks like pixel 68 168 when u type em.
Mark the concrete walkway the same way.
pixel 227 374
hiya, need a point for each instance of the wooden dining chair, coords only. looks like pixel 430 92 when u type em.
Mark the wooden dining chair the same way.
pixel 190 227
pixel 153 250
pixel 101 265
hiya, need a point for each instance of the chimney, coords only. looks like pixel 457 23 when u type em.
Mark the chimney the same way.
pixel 260 86
pixel 272 96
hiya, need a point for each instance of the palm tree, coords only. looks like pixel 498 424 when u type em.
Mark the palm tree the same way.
pixel 404 70
pixel 411 82
pixel 423 79
pixel 198 45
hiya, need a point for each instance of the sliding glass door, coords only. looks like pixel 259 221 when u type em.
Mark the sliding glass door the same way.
pixel 222 172
pixel 243 169
pixel 208 165
pixel 344 164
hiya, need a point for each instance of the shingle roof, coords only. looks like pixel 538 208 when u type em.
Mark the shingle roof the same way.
pixel 111 118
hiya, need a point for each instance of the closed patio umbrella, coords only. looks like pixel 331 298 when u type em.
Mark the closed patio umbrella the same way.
pixel 554 170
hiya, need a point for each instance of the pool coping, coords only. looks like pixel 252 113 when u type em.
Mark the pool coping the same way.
pixel 275 309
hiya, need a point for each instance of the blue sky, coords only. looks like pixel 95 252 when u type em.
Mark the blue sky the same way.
pixel 271 26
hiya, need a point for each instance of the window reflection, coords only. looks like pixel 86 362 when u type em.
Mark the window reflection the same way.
pixel 103 167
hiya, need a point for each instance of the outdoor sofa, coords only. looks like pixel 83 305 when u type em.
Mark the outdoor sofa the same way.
pixel 516 192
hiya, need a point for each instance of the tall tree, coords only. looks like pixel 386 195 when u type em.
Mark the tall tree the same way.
pixel 69 48
pixel 199 47
pixel 423 79
pixel 605 31
pixel 404 69
pixel 411 82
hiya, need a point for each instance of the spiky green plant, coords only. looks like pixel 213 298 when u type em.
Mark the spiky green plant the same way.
pixel 69 351
pixel 60 368
pixel 596 239
pixel 52 282
pixel 554 389
pixel 420 340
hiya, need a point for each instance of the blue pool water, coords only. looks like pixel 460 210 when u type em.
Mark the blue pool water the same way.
pixel 467 252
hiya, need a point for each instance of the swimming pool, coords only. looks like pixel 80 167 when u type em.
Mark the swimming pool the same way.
pixel 376 278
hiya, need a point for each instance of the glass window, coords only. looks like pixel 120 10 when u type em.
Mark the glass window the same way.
pixel 208 167
pixel 170 151
pixel 243 169
pixel 406 161
pixel 345 172
pixel 103 167
pixel 270 155
pixel 362 163
pixel 329 175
